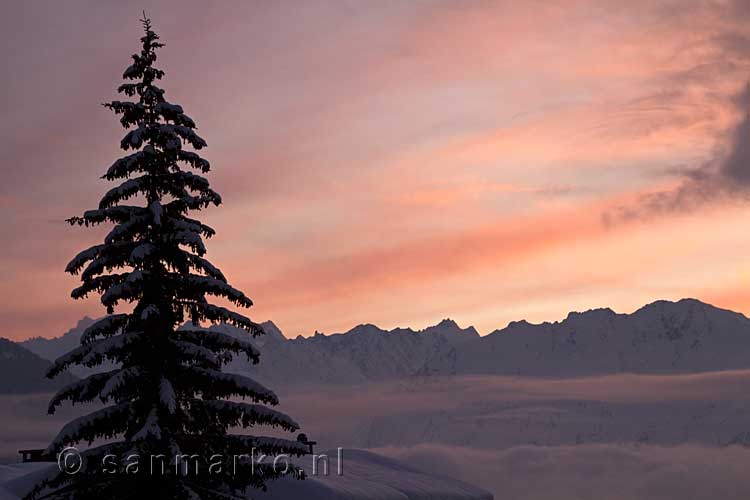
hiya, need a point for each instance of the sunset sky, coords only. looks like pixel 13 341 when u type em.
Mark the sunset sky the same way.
pixel 400 162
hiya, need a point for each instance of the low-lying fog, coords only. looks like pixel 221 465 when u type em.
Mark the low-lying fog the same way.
pixel 614 437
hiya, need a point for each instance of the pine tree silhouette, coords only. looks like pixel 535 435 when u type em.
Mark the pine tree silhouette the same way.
pixel 167 395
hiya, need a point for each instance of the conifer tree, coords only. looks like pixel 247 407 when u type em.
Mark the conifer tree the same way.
pixel 165 394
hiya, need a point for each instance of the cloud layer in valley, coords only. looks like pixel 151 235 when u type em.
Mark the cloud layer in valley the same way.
pixel 522 438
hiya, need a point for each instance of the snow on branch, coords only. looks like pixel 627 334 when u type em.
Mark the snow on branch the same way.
pixel 105 327
pixel 105 423
pixel 189 239
pixel 218 314
pixel 135 162
pixel 119 383
pixel 156 211
pixel 267 445
pixel 99 284
pixel 91 353
pixel 204 265
pixel 150 430
pixel 187 224
pixel 126 190
pixel 245 414
pixel 141 252
pixel 218 341
pixel 75 265
pixel 116 214
pixel 212 286
pixel 167 397
pixel 222 385
pixel 113 256
pixel 194 160
pixel 127 229
pixel 194 352
pixel 199 202
pixel 128 289
pixel 174 113
pixel 80 391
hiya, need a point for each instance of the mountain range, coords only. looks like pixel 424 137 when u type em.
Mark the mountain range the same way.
pixel 22 371
pixel 663 337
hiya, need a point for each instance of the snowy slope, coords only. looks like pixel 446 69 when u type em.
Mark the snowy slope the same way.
pixel 17 479
pixel 364 476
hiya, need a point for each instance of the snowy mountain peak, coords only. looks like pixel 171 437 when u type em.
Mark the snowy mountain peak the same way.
pixel 364 329
pixel 450 328
pixel 683 308
pixel 597 313
pixel 54 347
pixel 447 323
pixel 521 323
pixel 662 337
pixel 272 332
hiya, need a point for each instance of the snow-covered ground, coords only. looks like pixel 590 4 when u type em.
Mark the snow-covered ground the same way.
pixel 371 476
pixel 364 475
pixel 17 479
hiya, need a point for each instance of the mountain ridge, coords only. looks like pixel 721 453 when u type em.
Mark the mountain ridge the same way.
pixel 75 331
pixel 23 371
pixel 660 337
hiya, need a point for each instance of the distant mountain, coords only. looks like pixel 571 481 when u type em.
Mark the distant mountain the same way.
pixel 663 337
pixel 364 353
pixel 53 348
pixel 22 371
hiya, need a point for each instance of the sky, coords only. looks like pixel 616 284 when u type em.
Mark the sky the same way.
pixel 400 162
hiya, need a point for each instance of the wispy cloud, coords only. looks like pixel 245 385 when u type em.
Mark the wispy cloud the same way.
pixel 726 175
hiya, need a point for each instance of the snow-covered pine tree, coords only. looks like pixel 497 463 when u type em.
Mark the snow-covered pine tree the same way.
pixel 167 395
